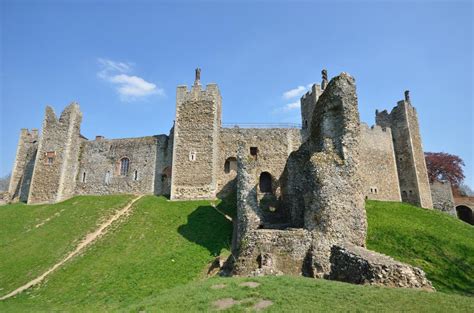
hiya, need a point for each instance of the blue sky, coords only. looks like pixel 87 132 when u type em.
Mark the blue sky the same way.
pixel 123 60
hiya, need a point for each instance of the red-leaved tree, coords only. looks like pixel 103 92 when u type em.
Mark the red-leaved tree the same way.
pixel 445 166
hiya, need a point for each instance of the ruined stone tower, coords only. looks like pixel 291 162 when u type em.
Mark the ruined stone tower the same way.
pixel 412 173
pixel 24 164
pixel 56 163
pixel 196 139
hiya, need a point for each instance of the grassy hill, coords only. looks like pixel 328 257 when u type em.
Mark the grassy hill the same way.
pixel 157 259
pixel 33 238
pixel 440 244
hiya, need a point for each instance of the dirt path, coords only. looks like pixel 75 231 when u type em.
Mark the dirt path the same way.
pixel 88 240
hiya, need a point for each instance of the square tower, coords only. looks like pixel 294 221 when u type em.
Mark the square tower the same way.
pixel 196 139
pixel 410 159
pixel 57 159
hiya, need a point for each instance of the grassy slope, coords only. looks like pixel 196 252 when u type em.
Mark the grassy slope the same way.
pixel 298 294
pixel 162 244
pixel 166 245
pixel 441 245
pixel 33 238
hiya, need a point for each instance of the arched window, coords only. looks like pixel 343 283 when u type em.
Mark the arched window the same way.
pixel 107 177
pixel 230 165
pixel 265 182
pixel 124 164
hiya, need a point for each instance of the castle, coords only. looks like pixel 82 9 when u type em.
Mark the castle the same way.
pixel 198 159
pixel 300 192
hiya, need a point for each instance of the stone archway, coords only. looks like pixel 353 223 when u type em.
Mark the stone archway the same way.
pixel 265 182
pixel 464 213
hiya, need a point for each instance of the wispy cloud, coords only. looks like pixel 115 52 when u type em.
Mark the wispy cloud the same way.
pixel 129 87
pixel 292 94
pixel 295 92
pixel 291 106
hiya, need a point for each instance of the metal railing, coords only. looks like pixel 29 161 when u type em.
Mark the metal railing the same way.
pixel 261 125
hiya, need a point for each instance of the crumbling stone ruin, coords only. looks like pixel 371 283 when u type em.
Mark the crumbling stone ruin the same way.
pixel 318 226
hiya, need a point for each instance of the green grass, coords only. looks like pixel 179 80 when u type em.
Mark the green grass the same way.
pixel 440 244
pixel 156 260
pixel 161 245
pixel 33 238
pixel 298 294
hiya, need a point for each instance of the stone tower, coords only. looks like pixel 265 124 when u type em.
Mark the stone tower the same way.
pixel 57 159
pixel 24 164
pixel 308 103
pixel 412 172
pixel 196 139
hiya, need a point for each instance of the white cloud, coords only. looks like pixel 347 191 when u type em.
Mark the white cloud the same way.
pixel 291 106
pixel 129 87
pixel 295 92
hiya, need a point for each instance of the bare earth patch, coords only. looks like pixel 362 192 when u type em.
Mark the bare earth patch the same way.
pixel 262 304
pixel 223 304
pixel 218 286
pixel 250 284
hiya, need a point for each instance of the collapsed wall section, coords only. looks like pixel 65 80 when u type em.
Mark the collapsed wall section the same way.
pixel 24 164
pixel 122 166
pixel 378 165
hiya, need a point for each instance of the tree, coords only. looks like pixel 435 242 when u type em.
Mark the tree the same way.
pixel 445 166
pixel 466 191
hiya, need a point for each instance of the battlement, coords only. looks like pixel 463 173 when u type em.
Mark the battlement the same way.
pixel 375 129
pixel 210 93
pixel 29 135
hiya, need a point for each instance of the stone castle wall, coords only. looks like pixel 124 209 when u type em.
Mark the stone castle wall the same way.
pixel 190 163
pixel 56 162
pixel 442 195
pixel 273 145
pixel 100 161
pixel 24 164
pixel 378 165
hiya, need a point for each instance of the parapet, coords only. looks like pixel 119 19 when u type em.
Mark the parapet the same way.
pixel 375 129
pixel 313 94
pixel 29 135
pixel 211 93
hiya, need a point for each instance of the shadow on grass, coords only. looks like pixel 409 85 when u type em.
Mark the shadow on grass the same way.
pixel 209 228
